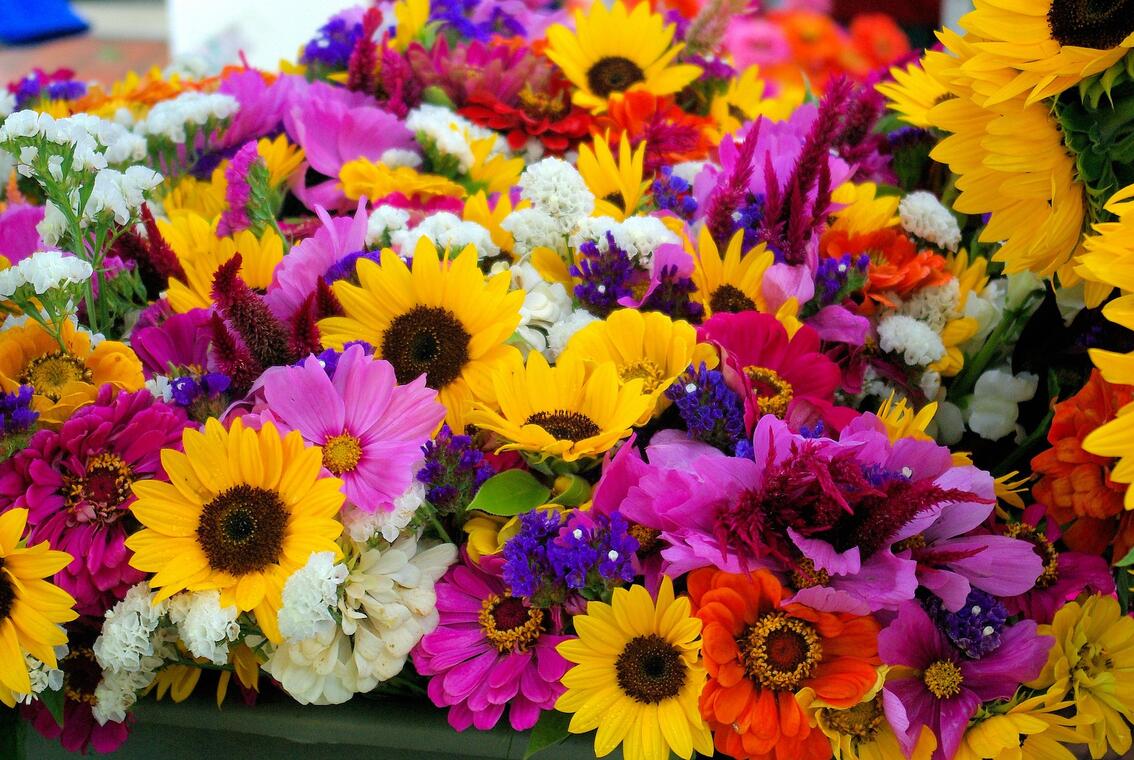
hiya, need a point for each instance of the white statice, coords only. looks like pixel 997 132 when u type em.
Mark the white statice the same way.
pixel 203 625
pixel 395 157
pixel 562 331
pixel 169 118
pixel 120 193
pixel 53 226
pixel 449 133
pixel 127 639
pixel 545 304
pixel 44 271
pixel 24 124
pixel 309 595
pixel 994 407
pixel 925 217
pixel 934 305
pixel 638 236
pixel 119 143
pixel 7 103
pixel 531 229
pixel 42 677
pixel 557 189
pixel 385 523
pixel 447 230
pixel 117 692
pixel 688 170
pixel 384 221
pixel 915 341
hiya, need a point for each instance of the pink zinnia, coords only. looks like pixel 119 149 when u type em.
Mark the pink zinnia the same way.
pixel 371 429
pixel 489 651
pixel 76 481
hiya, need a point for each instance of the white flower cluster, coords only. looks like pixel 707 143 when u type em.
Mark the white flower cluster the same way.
pixel 395 157
pixel 116 693
pixel 309 595
pixel 916 341
pixel 531 229
pixel 130 649
pixel 169 118
pixel 160 388
pixel 557 190
pixel 935 305
pixel 562 331
pixel 116 195
pixel 389 524
pixel 447 230
pixel 546 304
pixel 449 133
pixel 925 217
pixel 994 407
pixel 203 625
pixel 638 236
pixel 383 223
pixel 44 271
pixel 42 677
pixel 92 143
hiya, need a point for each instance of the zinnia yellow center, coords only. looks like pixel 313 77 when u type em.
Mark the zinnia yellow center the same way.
pixel 772 390
pixel 943 679
pixel 242 529
pixel 565 425
pixel 780 652
pixel 806 575
pixel 508 624
pixel 1043 548
pixel 650 669
pixel 861 721
pixel 97 494
pixel 342 453
pixel 645 370
pixel 49 374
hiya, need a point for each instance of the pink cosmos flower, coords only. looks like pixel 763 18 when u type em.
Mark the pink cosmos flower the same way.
pixel 489 651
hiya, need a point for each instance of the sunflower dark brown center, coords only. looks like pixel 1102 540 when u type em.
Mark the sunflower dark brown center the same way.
pixel 613 74
pixel 7 593
pixel 860 722
pixel 429 340
pixel 1099 24
pixel 564 425
pixel 780 652
pixel 729 299
pixel 242 530
pixel 99 493
pixel 49 374
pixel 1043 548
pixel 508 624
pixel 650 669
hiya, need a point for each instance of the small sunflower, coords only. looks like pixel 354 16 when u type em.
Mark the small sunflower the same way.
pixel 243 510
pixel 729 283
pixel 31 609
pixel 646 346
pixel 204 198
pixel 194 240
pixel 65 377
pixel 563 411
pixel 617 184
pixel 363 177
pixel 612 50
pixel 442 319
pixel 912 93
pixel 637 676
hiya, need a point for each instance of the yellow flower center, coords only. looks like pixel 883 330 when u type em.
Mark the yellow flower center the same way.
pixel 1043 548
pixel 806 575
pixel 730 299
pixel 242 529
pixel 860 722
pixel 341 453
pixel 49 374
pixel 771 389
pixel 650 669
pixel 780 652
pixel 943 678
pixel 7 593
pixel 613 74
pixel 101 490
pixel 647 538
pixel 649 373
pixel 916 541
pixel 564 425
pixel 508 624
pixel 538 104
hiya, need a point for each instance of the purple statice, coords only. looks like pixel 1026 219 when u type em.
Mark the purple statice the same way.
pixel 16 414
pixel 332 45
pixel 607 275
pixel 812 432
pixel 454 471
pixel 672 193
pixel 748 218
pixel 836 278
pixel 713 412
pixel 346 268
pixel 202 396
pixel 38 85
pixel 976 628
pixel 712 68
pixel 461 16
pixel 672 297
pixel 238 190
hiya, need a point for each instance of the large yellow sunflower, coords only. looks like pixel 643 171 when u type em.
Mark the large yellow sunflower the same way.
pixel 564 411
pixel 646 346
pixel 194 240
pixel 243 510
pixel 728 283
pixel 68 377
pixel 442 319
pixel 31 609
pixel 617 184
pixel 638 676
pixel 1107 261
pixel 612 50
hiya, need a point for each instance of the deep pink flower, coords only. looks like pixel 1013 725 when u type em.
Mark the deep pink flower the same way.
pixel 181 341
pixel 18 236
pixel 489 651
pixel 238 191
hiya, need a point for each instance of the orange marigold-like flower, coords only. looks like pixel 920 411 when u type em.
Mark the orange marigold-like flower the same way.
pixel 761 653
pixel 896 265
pixel 1075 484
pixel 671 135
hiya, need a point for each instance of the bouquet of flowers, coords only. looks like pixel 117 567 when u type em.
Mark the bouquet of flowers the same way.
pixel 589 369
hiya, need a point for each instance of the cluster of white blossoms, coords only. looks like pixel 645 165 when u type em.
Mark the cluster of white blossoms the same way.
pixel 44 271
pixel 447 231
pixel 448 133
pixel 117 195
pixel 387 522
pixel 546 304
pixel 88 142
pixel 638 236
pixel 205 628
pixel 42 677
pixel 169 118
pixel 916 342
pixel 560 202
pixel 383 223
pixel 309 595
pixel 131 648
pixel 924 216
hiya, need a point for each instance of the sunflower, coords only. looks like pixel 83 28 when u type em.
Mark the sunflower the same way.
pixel 1107 260
pixel 442 318
pixel 642 345
pixel 912 92
pixel 637 677
pixel 201 252
pixel 363 177
pixel 65 377
pixel 862 209
pixel 281 157
pixel 732 282
pixel 745 99
pixel 31 609
pixel 612 50
pixel 564 411
pixel 198 196
pixel 477 209
pixel 243 510
pixel 617 185
pixel 493 171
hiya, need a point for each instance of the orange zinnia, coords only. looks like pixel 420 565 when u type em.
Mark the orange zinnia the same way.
pixel 896 265
pixel 1075 484
pixel 671 135
pixel 761 653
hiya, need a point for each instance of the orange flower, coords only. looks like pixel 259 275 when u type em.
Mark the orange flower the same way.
pixel 671 134
pixel 896 265
pixel 760 654
pixel 1075 484
pixel 877 37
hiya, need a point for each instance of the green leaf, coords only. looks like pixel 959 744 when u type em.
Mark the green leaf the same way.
pixel 1126 561
pixel 53 701
pixel 434 95
pixel 549 731
pixel 509 493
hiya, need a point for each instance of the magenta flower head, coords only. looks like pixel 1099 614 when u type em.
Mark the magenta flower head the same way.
pixel 489 651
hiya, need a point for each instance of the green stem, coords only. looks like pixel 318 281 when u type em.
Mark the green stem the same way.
pixel 1026 445
pixel 977 364
pixel 435 521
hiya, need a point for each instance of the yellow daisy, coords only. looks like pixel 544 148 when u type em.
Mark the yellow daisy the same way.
pixel 243 510
pixel 196 196
pixel 646 346
pixel 563 411
pixel 194 240
pixel 441 318
pixel 281 157
pixel 912 93
pixel 363 177
pixel 31 609
pixel 637 676
pixel 617 184
pixel 902 421
pixel 612 50
pixel 65 377
pixel 728 283
pixel 494 172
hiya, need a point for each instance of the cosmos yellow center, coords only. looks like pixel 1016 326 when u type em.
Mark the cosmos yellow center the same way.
pixel 7 593
pixel 565 425
pixel 97 494
pixel 508 624
pixel 860 722
pixel 49 374
pixel 731 300
pixel 1099 24
pixel 341 453
pixel 613 74
pixel 1043 548
pixel 943 679
pixel 540 105
pixel 650 669
pixel 647 538
pixel 780 652
pixel 772 390
pixel 645 370
pixel 242 529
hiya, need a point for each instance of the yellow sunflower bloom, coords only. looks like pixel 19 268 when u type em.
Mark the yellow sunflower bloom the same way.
pixel 863 210
pixel 363 177
pixel 728 283
pixel 441 318
pixel 196 196
pixel 1107 261
pixel 64 379
pixel 243 510
pixel 281 157
pixel 1022 730
pixel 646 346
pixel 179 681
pixel 563 411
pixel 637 676
pixel 495 172
pixel 617 184
pixel 745 100
pixel 31 609
pixel 477 209
pixel 1116 438
pixel 912 93
pixel 201 252
pixel 612 50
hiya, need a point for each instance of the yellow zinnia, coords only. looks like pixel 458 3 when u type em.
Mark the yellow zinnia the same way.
pixel 442 319
pixel 64 378
pixel 617 184
pixel 612 50
pixel 31 609
pixel 563 411
pixel 637 676
pixel 243 510
pixel 732 282
pixel 363 177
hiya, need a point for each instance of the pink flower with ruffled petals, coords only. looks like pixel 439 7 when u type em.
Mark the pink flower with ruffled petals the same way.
pixel 19 237
pixel 181 341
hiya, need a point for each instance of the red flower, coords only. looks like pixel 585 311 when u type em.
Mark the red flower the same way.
pixel 671 135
